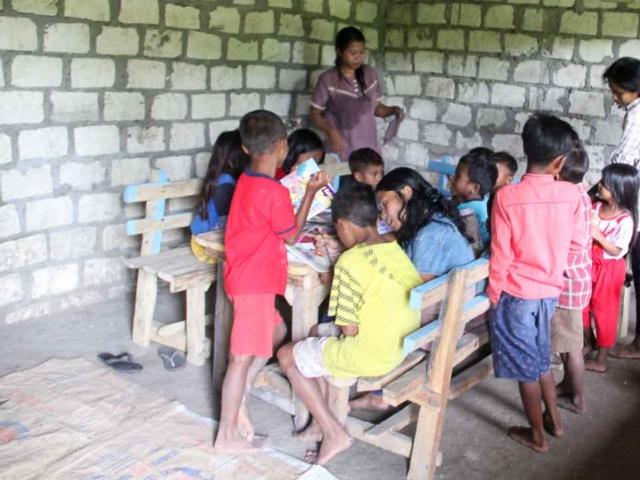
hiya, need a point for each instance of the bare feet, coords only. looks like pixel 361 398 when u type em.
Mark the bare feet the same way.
pixel 237 444
pixel 245 425
pixel 369 402
pixel 550 426
pixel 630 352
pixel 587 349
pixel 330 447
pixel 524 436
pixel 312 433
pixel 594 366
pixel 571 403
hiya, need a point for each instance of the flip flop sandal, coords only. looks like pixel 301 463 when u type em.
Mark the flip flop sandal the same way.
pixel 122 363
pixel 172 359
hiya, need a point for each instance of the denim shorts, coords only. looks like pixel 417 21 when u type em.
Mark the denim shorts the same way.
pixel 521 337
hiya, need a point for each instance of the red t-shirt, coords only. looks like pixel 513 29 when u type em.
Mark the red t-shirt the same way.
pixel 280 173
pixel 261 216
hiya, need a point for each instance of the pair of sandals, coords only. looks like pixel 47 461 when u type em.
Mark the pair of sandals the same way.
pixel 172 360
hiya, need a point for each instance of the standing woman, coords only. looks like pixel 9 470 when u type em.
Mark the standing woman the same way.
pixel 348 97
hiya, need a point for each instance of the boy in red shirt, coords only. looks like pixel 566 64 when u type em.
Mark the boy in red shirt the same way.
pixel 535 226
pixel 261 220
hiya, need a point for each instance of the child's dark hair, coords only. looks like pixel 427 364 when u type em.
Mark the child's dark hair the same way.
pixel 481 170
pixel 260 130
pixel 302 141
pixel 481 151
pixel 624 72
pixel 622 181
pixel 576 164
pixel 227 157
pixel 545 138
pixel 344 38
pixel 357 204
pixel 362 158
pixel 507 159
pixel 425 202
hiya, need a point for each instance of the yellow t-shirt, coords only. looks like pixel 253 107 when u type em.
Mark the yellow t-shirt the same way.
pixel 371 288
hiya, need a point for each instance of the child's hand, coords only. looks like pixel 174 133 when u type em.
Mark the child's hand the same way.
pixel 399 113
pixel 325 242
pixel 326 278
pixel 317 181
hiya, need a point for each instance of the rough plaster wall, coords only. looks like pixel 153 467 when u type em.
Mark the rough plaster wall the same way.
pixel 470 73
pixel 96 93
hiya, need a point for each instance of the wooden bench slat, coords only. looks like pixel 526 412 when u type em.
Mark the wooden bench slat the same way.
pixel 367 384
pixel 470 342
pixel 168 222
pixel 155 191
pixel 421 337
pixel 395 422
pixel 400 389
pixel 158 260
pixel 471 377
pixel 391 441
pixel 475 307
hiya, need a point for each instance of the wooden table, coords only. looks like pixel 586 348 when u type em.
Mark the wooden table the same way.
pixel 304 293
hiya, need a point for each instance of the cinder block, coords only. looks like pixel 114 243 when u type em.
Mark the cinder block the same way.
pixel 119 106
pixel 225 19
pixel 293 80
pixel 507 95
pixel 571 76
pixel 98 10
pixel 259 22
pixel 462 65
pixel 66 38
pixel 451 39
pixel 466 15
pixel 457 114
pixel 92 73
pixel 275 51
pixel 140 11
pixel 518 45
pixel 10 289
pixel 487 117
pixel 9 220
pixel 49 142
pixel 39 7
pixel 177 168
pixel 23 252
pixel 21 107
pixel 100 271
pixel 226 78
pixel 82 176
pixel 550 99
pixel 398 61
pixel 508 143
pixel 440 87
pixel 130 171
pixel 74 107
pixel 429 62
pixel 595 51
pixel 476 92
pixel 531 71
pixel 306 53
pixel 579 23
pixel 169 106
pixel 145 139
pixel 204 46
pixel 32 71
pixel 620 24
pixel 185 76
pixel 483 41
pixel 499 16
pixel 74 243
pixel 118 41
pixel 291 25
pixel 244 51
pixel 563 48
pixel 177 16
pixel 322 30
pixel 261 77
pixel 99 207
pixel 419 38
pixel 340 8
pixel 114 237
pixel 6 150
pixel 208 105
pixel 146 74
pixel 278 103
pixel 432 14
pixel 586 103
pixel 17 184
pixel 187 136
pixel 98 140
pixel 437 134
pixel 423 110
pixel 18 34
pixel 403 85
pixel 49 213
pixel 366 12
pixel 163 43
pixel 493 69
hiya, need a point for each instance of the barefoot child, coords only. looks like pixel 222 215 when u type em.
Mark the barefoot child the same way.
pixel 613 229
pixel 227 162
pixel 623 77
pixel 535 226
pixel 261 220
pixel 370 299
pixel 566 324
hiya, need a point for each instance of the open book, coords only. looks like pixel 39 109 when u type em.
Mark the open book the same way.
pixel 306 253
pixel 296 183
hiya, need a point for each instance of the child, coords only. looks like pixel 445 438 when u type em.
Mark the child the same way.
pixel 370 298
pixel 366 166
pixel 566 325
pixel 261 220
pixel 507 168
pixel 227 162
pixel 535 226
pixel 613 229
pixel 623 77
pixel 303 145
pixel 474 179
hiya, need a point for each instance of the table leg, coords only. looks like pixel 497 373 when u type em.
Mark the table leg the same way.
pixel 221 337
pixel 304 305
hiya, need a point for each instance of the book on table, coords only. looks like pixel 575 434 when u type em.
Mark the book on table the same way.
pixel 296 182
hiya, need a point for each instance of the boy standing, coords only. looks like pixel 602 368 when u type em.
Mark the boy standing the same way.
pixel 370 299
pixel 535 226
pixel 261 220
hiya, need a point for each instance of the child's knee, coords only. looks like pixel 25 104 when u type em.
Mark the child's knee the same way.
pixel 240 361
pixel 313 331
pixel 285 356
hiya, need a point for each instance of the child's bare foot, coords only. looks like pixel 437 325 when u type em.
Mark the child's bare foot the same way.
pixel 237 444
pixel 594 366
pixel 368 402
pixel 524 436
pixel 631 351
pixel 587 349
pixel 550 426
pixel 245 425
pixel 572 403
pixel 313 433
pixel 329 448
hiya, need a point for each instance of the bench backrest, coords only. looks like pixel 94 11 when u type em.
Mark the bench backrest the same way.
pixel 155 195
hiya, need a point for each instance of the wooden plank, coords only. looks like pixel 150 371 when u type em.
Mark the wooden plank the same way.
pixel 195 325
pixel 367 384
pixel 155 191
pixel 144 308
pixel 400 389
pixel 171 328
pixel 154 210
pixel 396 422
pixel 470 342
pixel 177 340
pixel 391 441
pixel 201 277
pixel 424 454
pixel 471 377
pixel 155 262
pixel 221 336
pixel 146 225
pixel 273 387
pixel 421 337
pixel 476 307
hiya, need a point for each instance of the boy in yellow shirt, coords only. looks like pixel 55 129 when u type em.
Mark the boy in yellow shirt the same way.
pixel 370 300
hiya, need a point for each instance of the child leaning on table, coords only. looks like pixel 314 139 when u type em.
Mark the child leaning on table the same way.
pixel 370 299
pixel 260 221
pixel 227 162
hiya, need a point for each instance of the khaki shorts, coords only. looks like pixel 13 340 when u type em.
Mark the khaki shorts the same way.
pixel 308 352
pixel 566 330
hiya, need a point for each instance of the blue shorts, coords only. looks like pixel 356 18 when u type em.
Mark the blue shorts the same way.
pixel 521 337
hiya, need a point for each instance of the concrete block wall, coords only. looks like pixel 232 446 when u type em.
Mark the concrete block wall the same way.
pixel 94 94
pixel 470 72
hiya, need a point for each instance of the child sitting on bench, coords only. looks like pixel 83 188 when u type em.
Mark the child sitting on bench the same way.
pixel 370 299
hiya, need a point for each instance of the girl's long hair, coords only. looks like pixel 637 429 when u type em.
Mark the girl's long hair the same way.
pixel 425 202
pixel 622 181
pixel 227 157
pixel 302 141
pixel 344 38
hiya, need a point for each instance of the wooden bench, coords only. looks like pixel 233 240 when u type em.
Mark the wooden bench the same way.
pixel 177 266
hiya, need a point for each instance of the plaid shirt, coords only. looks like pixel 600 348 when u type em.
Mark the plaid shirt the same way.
pixel 576 291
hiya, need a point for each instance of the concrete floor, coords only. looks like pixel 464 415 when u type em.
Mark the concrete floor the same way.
pixel 602 444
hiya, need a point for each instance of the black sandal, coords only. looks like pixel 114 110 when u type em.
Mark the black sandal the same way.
pixel 122 363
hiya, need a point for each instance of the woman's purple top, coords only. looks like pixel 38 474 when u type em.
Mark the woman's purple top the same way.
pixel 346 109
